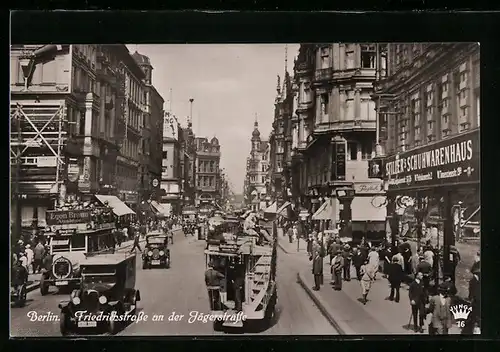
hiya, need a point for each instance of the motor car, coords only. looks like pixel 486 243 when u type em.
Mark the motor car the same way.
pixel 107 296
pixel 156 251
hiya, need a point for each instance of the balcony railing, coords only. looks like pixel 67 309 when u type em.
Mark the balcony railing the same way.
pixel 324 74
pixel 343 125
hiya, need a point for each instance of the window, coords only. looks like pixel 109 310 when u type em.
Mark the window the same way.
pixel 325 57
pixel 366 150
pixel 263 168
pixel 464 112
pixel 164 155
pixel 324 104
pixel 263 179
pixel 445 120
pixel 307 92
pixel 368 56
pixel 352 149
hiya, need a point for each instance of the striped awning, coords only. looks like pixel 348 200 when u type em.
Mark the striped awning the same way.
pixel 119 208
pixel 283 207
pixel 327 211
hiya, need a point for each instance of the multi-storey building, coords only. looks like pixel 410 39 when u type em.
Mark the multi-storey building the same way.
pixel 207 171
pixel 334 127
pixel 188 164
pixel 171 177
pixel 280 141
pixel 257 172
pixel 150 170
pixel 68 122
pixel 429 120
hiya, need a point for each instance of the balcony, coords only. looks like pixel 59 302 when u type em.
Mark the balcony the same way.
pixel 345 125
pixel 323 75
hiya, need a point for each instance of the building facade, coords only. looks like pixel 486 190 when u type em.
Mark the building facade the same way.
pixel 150 169
pixel 69 124
pixel 171 177
pixel 280 141
pixel 257 172
pixel 429 122
pixel 207 171
pixel 334 128
pixel 188 164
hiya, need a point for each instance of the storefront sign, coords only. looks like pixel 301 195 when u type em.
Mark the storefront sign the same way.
pixel 368 188
pixel 46 161
pixel 450 161
pixel 67 217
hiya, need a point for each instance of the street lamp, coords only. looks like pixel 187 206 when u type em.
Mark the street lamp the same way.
pixel 345 195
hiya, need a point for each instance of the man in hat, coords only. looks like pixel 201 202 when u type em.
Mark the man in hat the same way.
pixel 317 269
pixel 439 308
pixel 347 255
pixel 214 281
pixel 395 276
pixel 29 257
pixel 426 269
pixel 357 261
pixel 416 294
pixel 474 319
pixel 336 268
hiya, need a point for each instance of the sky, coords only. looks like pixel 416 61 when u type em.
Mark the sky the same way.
pixel 230 84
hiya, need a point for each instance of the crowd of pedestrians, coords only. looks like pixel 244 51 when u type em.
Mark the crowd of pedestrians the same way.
pixel 430 293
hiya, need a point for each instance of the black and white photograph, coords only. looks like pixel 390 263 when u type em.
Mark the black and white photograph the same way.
pixel 245 189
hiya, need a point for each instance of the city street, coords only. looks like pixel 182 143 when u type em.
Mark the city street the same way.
pixel 181 290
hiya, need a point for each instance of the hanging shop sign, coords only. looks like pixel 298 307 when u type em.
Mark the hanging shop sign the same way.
pixel 451 161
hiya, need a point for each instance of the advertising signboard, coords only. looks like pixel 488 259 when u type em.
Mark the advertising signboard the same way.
pixel 453 160
pixel 68 217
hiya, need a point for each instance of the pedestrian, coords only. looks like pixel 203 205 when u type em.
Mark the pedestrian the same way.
pixel 368 272
pixel 347 255
pixel 317 269
pixel 406 252
pixel 454 259
pixel 24 260
pixel 473 321
pixel 399 258
pixel 374 259
pixel 310 240
pixel 357 261
pixel 429 255
pixel 414 261
pixel 213 281
pixel 295 233
pixel 290 234
pixel 29 257
pixel 439 308
pixel 477 263
pixel 336 268
pixel 426 269
pixel 416 294
pixel 136 244
pixel 395 276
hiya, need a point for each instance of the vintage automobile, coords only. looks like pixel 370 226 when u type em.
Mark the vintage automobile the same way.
pixel 19 280
pixel 156 252
pixel 107 296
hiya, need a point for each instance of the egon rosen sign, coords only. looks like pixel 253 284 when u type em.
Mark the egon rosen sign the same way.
pixel 67 217
pixel 450 161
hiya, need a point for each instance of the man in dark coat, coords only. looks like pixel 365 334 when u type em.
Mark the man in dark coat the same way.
pixel 214 280
pixel 474 318
pixel 317 270
pixel 395 275
pixel 347 255
pixel 357 261
pixel 405 249
pixel 416 294
pixel 426 269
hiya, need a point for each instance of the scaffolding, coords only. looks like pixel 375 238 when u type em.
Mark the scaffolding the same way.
pixel 37 137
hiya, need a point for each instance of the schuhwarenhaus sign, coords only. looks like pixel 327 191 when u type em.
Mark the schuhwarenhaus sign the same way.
pixel 451 161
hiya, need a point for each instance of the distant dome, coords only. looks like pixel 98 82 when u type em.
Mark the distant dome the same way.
pixel 214 141
pixel 141 59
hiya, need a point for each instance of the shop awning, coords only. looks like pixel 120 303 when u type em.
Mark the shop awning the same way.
pixel 119 208
pixel 327 211
pixel 362 209
pixel 162 209
pixel 283 207
pixel 272 208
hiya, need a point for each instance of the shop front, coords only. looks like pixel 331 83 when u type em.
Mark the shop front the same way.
pixel 433 191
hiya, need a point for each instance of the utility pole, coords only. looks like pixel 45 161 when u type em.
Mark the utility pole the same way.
pixel 17 183
pixel 190 121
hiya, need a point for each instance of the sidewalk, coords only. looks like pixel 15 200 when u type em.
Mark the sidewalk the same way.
pixel 291 248
pixel 350 316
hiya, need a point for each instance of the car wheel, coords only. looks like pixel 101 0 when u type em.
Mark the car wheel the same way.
pixel 113 324
pixel 63 324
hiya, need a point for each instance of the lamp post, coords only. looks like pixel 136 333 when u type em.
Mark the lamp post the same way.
pixel 345 196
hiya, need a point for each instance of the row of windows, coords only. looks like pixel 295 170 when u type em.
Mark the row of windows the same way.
pixel 366 59
pixel 207 166
pixel 130 149
pixel 206 181
pixel 262 179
